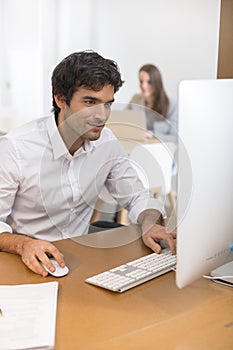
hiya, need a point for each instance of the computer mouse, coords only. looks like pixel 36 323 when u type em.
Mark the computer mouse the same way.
pixel 59 272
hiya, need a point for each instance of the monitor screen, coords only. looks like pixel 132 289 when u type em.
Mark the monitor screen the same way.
pixel 205 178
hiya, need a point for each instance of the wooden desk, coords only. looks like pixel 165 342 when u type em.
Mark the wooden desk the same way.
pixel 155 315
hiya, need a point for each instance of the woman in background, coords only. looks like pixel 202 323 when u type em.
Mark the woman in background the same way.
pixel 161 112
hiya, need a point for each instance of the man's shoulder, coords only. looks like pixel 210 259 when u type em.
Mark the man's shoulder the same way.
pixel 28 130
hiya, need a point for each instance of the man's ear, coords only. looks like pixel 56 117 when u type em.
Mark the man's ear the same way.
pixel 60 101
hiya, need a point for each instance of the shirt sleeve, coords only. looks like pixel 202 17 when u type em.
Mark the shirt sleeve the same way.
pixel 9 181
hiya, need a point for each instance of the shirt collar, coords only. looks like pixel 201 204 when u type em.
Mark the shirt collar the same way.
pixel 58 146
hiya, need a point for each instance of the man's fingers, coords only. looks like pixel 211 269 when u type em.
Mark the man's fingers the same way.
pixel 43 257
pixel 34 265
pixel 171 243
pixel 157 234
pixel 150 242
pixel 59 257
pixel 36 251
pixel 53 253
pixel 173 233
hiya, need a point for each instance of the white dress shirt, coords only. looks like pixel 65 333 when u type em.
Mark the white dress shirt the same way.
pixel 47 193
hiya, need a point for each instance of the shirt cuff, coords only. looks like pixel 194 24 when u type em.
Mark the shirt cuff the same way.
pixel 151 203
pixel 5 228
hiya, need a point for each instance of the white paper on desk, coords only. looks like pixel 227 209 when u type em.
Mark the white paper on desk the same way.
pixel 28 316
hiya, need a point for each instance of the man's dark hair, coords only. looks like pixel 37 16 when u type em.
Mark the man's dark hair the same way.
pixel 83 69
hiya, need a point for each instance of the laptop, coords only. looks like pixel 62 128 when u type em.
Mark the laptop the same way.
pixel 128 124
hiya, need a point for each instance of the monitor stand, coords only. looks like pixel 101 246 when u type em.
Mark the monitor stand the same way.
pixel 221 272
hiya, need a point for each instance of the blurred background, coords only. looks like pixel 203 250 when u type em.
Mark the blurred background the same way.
pixel 181 37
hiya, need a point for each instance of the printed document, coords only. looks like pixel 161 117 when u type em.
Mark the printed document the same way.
pixel 28 316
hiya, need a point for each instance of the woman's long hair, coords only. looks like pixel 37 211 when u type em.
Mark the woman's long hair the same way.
pixel 160 101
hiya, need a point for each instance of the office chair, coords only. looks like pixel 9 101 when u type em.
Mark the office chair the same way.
pixel 106 203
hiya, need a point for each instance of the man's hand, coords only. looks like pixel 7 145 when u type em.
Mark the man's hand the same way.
pixel 32 251
pixel 153 232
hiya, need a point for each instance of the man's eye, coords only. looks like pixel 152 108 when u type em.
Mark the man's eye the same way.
pixel 108 104
pixel 89 102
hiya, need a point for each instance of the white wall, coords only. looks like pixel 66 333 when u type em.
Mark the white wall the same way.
pixel 179 36
pixel 20 83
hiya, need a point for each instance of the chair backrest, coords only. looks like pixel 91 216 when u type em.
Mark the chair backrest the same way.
pixel 153 163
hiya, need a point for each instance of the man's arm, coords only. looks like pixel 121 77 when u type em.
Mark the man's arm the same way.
pixel 153 232
pixel 31 251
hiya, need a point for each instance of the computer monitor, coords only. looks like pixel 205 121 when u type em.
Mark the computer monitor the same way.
pixel 205 178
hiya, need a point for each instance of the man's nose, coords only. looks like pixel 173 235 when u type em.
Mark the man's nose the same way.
pixel 102 112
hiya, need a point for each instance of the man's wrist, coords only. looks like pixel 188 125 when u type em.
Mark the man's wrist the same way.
pixel 20 240
pixel 150 217
pixel 13 242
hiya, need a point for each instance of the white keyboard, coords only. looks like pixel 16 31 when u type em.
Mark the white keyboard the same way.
pixel 133 273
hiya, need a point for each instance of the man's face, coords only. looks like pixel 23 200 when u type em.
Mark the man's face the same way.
pixel 87 114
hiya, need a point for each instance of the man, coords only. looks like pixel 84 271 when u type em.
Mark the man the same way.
pixel 52 169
